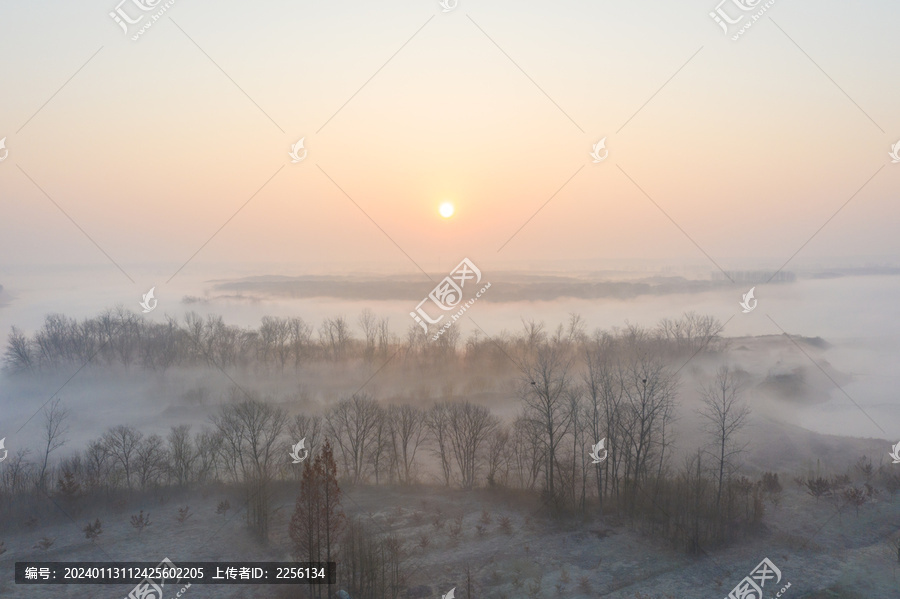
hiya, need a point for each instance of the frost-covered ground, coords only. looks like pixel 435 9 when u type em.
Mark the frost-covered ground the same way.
pixel 816 546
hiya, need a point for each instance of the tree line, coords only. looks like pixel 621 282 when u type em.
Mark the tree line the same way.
pixel 574 389
pixel 121 337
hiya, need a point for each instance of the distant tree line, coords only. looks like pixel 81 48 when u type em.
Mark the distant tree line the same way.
pixel 121 337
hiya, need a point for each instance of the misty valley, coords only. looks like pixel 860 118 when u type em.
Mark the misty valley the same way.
pixel 552 460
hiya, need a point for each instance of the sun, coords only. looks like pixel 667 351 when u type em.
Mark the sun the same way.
pixel 446 210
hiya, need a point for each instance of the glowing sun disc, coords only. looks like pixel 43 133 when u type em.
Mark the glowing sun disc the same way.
pixel 446 210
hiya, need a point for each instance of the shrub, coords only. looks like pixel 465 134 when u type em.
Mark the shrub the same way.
pixel 506 525
pixel 68 486
pixel 517 578
pixel 856 497
pixel 584 585
pixel 485 517
pixel 223 507
pixel 183 514
pixel 892 483
pixel 818 487
pixel 534 586
pixel 840 481
pixel 437 521
pixel 770 483
pixel 44 544
pixel 140 522
pixel 92 531
pixel 455 532
pixel 864 465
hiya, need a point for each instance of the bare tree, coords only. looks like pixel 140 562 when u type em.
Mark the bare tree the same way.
pixel 526 452
pixel 648 395
pixel 470 426
pixel 724 416
pixel 150 462
pixel 18 355
pixel 274 340
pixel 382 456
pixel 251 437
pixel 353 423
pixel 17 474
pixel 545 380
pixel 97 465
pixel 368 324
pixel 384 337
pixel 603 390
pixel 182 454
pixel 579 417
pixel 121 443
pixel 311 428
pixel 497 457
pixel 437 420
pixel 407 433
pixel 300 335
pixel 53 435
pixel 335 335
pixel 208 444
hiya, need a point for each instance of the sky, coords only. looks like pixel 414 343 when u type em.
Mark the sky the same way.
pixel 169 154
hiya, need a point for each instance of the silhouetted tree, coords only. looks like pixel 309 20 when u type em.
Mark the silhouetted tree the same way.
pixel 724 415
pixel 318 519
pixel 251 434
pixel 121 443
pixel 53 436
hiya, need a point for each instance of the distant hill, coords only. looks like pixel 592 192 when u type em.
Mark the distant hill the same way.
pixel 509 286
pixel 506 287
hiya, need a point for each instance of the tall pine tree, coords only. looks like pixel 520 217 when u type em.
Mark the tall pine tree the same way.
pixel 318 518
